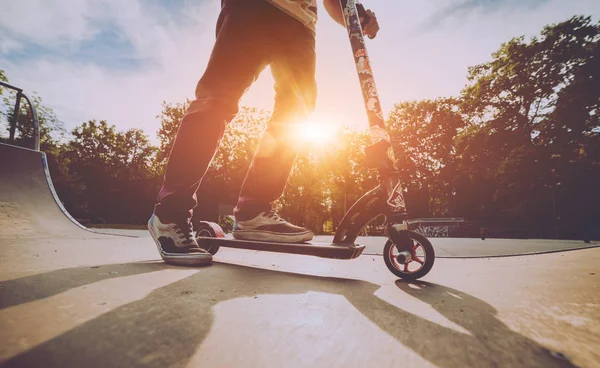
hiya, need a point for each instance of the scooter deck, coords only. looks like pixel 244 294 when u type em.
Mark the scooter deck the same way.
pixel 323 250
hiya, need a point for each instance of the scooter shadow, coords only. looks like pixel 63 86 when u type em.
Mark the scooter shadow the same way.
pixel 490 342
pixel 167 326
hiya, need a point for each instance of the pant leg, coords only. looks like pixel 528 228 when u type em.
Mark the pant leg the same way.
pixel 240 53
pixel 293 68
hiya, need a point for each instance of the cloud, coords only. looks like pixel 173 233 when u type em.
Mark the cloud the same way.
pixel 109 59
pixel 48 21
pixel 141 29
pixel 460 9
pixel 9 45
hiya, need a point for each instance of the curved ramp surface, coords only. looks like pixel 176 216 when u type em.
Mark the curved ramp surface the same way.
pixel 29 206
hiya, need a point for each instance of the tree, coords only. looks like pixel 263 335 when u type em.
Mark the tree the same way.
pixel 571 132
pixel 304 201
pixel 113 171
pixel 422 134
pixel 345 169
pixel 236 150
pixel 170 119
pixel 534 101
pixel 3 79
pixel 51 128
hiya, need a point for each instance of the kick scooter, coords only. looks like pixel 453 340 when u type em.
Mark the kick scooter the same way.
pixel 407 254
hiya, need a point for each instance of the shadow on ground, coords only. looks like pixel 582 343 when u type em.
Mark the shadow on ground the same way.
pixel 171 322
pixel 30 288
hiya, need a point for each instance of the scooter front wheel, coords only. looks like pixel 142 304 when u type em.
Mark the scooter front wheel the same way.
pixel 413 264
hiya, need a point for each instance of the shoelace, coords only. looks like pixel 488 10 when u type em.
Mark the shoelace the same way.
pixel 185 232
pixel 274 216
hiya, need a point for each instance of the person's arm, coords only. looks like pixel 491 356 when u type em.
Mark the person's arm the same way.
pixel 334 10
pixel 370 26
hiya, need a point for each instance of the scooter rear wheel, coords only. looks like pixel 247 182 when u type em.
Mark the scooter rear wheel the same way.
pixel 410 265
pixel 208 229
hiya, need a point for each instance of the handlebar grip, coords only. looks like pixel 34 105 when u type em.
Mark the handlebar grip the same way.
pixel 362 14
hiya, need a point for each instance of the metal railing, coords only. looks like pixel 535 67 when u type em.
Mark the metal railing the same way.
pixel 15 116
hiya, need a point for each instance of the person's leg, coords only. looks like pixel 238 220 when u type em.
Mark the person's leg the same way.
pixel 293 68
pixel 238 56
pixel 237 59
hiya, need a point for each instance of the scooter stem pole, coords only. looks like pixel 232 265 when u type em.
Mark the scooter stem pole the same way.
pixel 379 154
pixel 365 73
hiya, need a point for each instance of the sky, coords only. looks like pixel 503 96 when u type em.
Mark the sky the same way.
pixel 118 60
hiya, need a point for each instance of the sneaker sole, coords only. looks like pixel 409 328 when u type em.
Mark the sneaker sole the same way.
pixel 271 237
pixel 180 259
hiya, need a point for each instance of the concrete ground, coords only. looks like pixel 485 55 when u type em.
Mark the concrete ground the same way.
pixel 110 301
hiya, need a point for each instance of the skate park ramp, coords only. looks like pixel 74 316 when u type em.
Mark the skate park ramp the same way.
pixel 29 206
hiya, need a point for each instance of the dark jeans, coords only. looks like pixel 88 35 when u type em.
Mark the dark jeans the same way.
pixel 251 34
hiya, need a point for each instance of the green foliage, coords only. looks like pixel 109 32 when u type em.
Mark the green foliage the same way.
pixel 344 169
pixel 51 128
pixel 422 134
pixel 3 107
pixel 229 166
pixel 170 119
pixel 534 140
pixel 305 199
pixel 111 173
pixel 4 79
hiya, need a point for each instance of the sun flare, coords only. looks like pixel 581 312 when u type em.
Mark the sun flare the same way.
pixel 317 132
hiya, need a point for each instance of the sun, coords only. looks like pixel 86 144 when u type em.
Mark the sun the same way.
pixel 316 132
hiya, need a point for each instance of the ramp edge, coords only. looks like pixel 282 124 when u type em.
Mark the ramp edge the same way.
pixel 60 205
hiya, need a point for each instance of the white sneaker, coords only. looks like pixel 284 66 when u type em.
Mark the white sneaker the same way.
pixel 269 227
pixel 176 243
